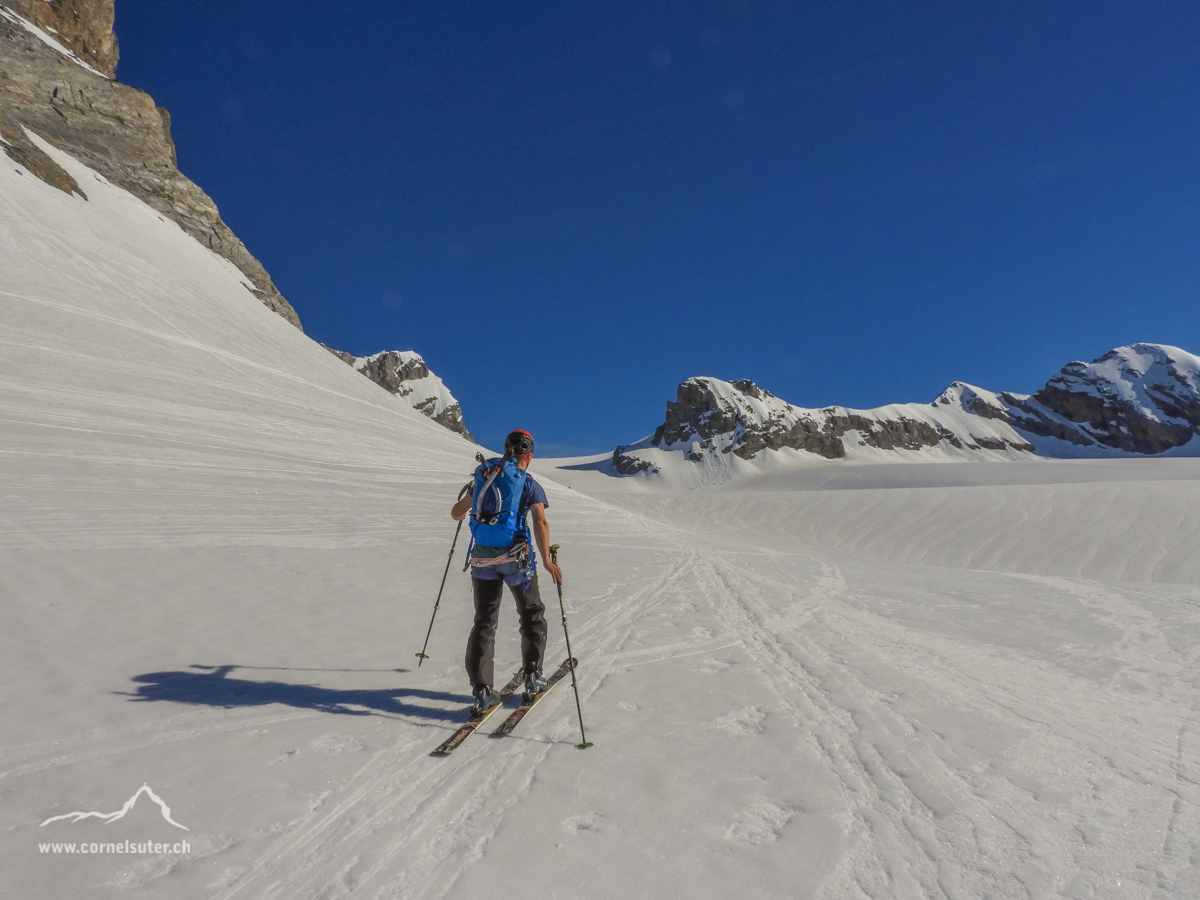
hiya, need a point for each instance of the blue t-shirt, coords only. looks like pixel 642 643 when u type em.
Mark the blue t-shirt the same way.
pixel 531 493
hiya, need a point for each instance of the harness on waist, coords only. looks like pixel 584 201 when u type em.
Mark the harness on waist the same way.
pixel 516 554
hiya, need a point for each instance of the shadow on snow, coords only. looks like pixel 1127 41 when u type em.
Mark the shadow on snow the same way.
pixel 216 688
pixel 604 466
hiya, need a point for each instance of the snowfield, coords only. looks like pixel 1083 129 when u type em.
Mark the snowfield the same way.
pixel 219 550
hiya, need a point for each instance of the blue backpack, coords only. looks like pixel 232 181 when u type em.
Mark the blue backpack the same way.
pixel 496 501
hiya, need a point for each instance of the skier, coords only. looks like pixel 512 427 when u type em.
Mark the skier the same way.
pixel 502 498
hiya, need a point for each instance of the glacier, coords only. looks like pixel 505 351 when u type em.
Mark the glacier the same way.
pixel 219 550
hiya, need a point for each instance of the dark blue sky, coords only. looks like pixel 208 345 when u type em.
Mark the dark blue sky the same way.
pixel 570 207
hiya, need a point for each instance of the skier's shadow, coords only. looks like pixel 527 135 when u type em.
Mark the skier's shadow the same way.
pixel 214 687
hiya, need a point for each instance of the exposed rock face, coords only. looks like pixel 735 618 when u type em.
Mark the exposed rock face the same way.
pixel 24 152
pixel 64 92
pixel 348 358
pixel 1139 399
pixel 85 27
pixel 626 464
pixel 406 375
pixel 1142 399
pixel 699 410
pixel 741 418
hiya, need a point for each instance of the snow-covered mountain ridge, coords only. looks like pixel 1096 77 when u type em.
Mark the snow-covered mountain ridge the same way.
pixel 1139 399
pixel 405 374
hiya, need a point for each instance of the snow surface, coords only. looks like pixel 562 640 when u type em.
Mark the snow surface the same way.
pixel 220 547
pixel 1133 372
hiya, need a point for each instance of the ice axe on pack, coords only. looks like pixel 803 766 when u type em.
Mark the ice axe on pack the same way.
pixel 422 656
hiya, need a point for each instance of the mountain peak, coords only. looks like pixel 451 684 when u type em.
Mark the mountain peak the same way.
pixel 405 374
pixel 1139 399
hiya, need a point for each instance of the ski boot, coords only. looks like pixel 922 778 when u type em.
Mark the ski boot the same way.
pixel 534 685
pixel 485 699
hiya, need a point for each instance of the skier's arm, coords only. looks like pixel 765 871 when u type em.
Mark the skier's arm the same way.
pixel 541 533
pixel 461 508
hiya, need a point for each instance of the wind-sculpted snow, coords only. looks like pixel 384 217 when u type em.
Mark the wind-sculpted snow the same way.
pixel 1142 399
pixel 219 551
pixel 1111 520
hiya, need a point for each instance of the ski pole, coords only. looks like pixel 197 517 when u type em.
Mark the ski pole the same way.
pixel 571 659
pixel 421 656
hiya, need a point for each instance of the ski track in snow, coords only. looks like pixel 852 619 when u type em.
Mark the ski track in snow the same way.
pixel 217 541
pixel 445 801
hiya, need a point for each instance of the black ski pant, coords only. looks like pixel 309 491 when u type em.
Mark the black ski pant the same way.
pixel 481 645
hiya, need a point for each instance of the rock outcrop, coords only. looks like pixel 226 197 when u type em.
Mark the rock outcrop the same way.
pixel 405 374
pixel 84 27
pixel 57 62
pixel 1141 399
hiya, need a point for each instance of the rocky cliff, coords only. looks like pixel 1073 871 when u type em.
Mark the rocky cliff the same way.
pixel 406 375
pixel 1144 399
pixel 57 65
pixel 1141 399
pixel 84 27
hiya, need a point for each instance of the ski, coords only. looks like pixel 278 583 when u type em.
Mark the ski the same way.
pixel 528 702
pixel 448 746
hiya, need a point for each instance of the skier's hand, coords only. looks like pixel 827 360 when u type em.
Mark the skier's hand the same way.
pixel 555 572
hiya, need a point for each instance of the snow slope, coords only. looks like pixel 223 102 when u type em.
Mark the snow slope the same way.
pixel 219 548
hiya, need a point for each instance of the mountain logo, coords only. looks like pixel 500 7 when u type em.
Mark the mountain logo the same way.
pixel 120 813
